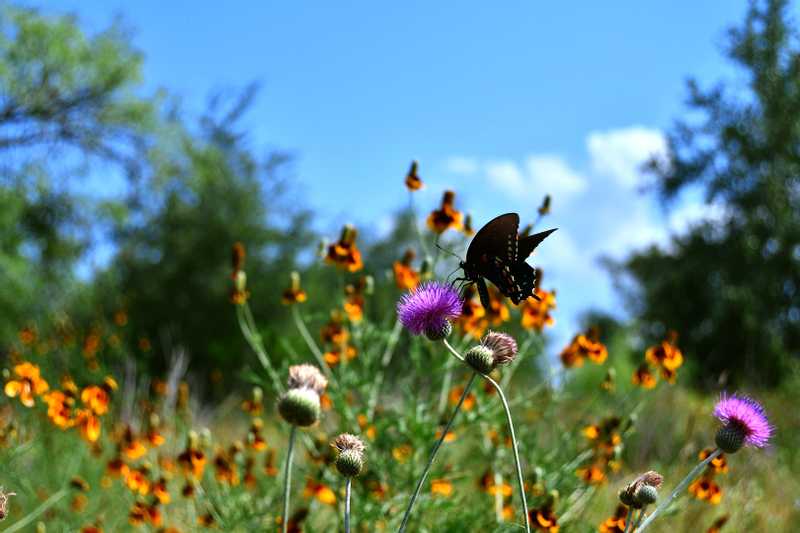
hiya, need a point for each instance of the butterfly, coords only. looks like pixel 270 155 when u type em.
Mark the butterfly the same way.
pixel 498 253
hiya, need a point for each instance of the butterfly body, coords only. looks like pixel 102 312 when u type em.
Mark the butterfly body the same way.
pixel 498 254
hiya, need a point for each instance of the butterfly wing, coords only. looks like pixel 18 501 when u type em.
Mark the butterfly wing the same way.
pixel 483 292
pixel 498 238
pixel 528 244
pixel 515 281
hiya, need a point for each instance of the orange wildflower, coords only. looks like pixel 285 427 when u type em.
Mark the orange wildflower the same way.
pixel 584 345
pixel 206 520
pixel 161 492
pixel 473 319
pixel 544 519
pixel 455 395
pixel 136 480
pixel 96 398
pixel 354 298
pixel 334 356
pixel 405 277
pixel 294 293
pixel 489 486
pixel 59 409
pixel 468 230
pixel 225 469
pixel 121 318
pixel 131 446
pixel 666 356
pixel 413 181
pixel 402 453
pixel 446 217
pixel 344 253
pixel 441 487
pixel 192 461
pixel 238 255
pixel 334 331
pixel 643 377
pixel 718 465
pixel 254 405
pixel 450 437
pixel 28 385
pixel 706 489
pixel 498 311
pixel 269 464
pixel 321 492
pixel 536 313
pixel 593 474
pixel 366 428
pixel 89 425
pixel 615 523
pixel 254 437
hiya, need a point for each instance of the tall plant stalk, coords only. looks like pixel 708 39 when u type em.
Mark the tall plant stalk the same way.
pixel 287 479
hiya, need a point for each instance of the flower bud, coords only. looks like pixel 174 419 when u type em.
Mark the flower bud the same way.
pixel 300 407
pixel 730 438
pixel 437 332
pixel 240 280
pixel 480 358
pixel 645 494
pixel 349 463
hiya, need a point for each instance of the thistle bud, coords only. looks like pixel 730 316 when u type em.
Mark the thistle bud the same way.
pixel 437 332
pixel 300 407
pixel 730 438
pixel 480 358
pixel 350 461
pixel 645 495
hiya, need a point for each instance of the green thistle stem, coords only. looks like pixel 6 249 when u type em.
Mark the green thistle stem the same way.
pixel 629 520
pixel 254 340
pixel 520 480
pixel 287 479
pixel 33 515
pixel 435 449
pixel 639 519
pixel 309 340
pixel 347 506
pixel 696 471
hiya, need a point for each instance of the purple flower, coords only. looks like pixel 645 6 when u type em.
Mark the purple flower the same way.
pixel 429 308
pixel 503 346
pixel 746 417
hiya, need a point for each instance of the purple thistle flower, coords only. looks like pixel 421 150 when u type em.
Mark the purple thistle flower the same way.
pixel 745 417
pixel 429 309
pixel 503 346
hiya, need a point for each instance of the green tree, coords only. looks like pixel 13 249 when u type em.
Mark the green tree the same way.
pixel 67 102
pixel 730 287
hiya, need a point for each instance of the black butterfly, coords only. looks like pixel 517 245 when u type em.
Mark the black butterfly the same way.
pixel 498 253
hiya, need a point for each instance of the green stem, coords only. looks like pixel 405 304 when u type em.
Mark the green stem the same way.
pixel 629 519
pixel 639 518
pixel 301 327
pixel 347 506
pixel 287 479
pixel 33 515
pixel 696 471
pixel 254 340
pixel 520 480
pixel 435 449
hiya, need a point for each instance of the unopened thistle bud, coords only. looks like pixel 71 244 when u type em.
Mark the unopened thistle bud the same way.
pixel 503 347
pixel 642 491
pixel 300 405
pixel 480 358
pixel 351 454
pixel 645 495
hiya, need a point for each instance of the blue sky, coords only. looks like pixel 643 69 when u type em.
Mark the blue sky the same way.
pixel 503 102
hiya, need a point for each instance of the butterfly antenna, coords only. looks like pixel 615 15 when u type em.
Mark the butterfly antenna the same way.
pixel 449 252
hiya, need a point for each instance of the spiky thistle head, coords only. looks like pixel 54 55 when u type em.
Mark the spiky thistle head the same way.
pixel 429 309
pixel 308 377
pixel 744 423
pixel 351 454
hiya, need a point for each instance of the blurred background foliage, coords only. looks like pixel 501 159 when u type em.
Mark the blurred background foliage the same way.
pixel 192 186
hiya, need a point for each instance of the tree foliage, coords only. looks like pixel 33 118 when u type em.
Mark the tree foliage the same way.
pixel 730 287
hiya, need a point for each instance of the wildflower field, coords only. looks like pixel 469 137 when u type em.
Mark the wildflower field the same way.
pixel 318 383
pixel 89 447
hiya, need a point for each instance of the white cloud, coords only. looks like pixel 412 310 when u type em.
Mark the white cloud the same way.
pixel 619 154
pixel 461 165
pixel 539 175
